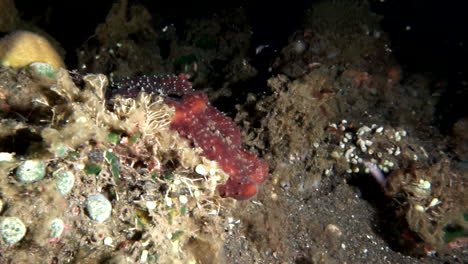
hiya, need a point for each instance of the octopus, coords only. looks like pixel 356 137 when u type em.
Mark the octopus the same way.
pixel 206 127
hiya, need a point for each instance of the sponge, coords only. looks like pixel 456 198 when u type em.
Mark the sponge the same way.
pixel 22 48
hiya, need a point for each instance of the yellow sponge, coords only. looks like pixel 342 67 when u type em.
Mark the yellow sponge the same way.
pixel 22 48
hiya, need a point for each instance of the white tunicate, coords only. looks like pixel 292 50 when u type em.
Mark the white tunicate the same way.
pixel 43 69
pixel 168 201
pixel 212 171
pixel 397 137
pixel 6 157
pixel 56 228
pixel 98 207
pixel 200 169
pixel 423 184
pixel 183 199
pixel 65 181
pixel 144 256
pixel 12 230
pixel 434 202
pixel 419 208
pixel 348 154
pixel 30 171
pixel 151 205
pixel 362 145
pixel 108 241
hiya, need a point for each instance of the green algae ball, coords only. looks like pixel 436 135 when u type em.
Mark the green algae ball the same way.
pixel 98 207
pixel 65 181
pixel 12 230
pixel 30 171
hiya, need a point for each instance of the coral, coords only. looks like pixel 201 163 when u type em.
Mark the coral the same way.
pixel 22 48
pixel 207 128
